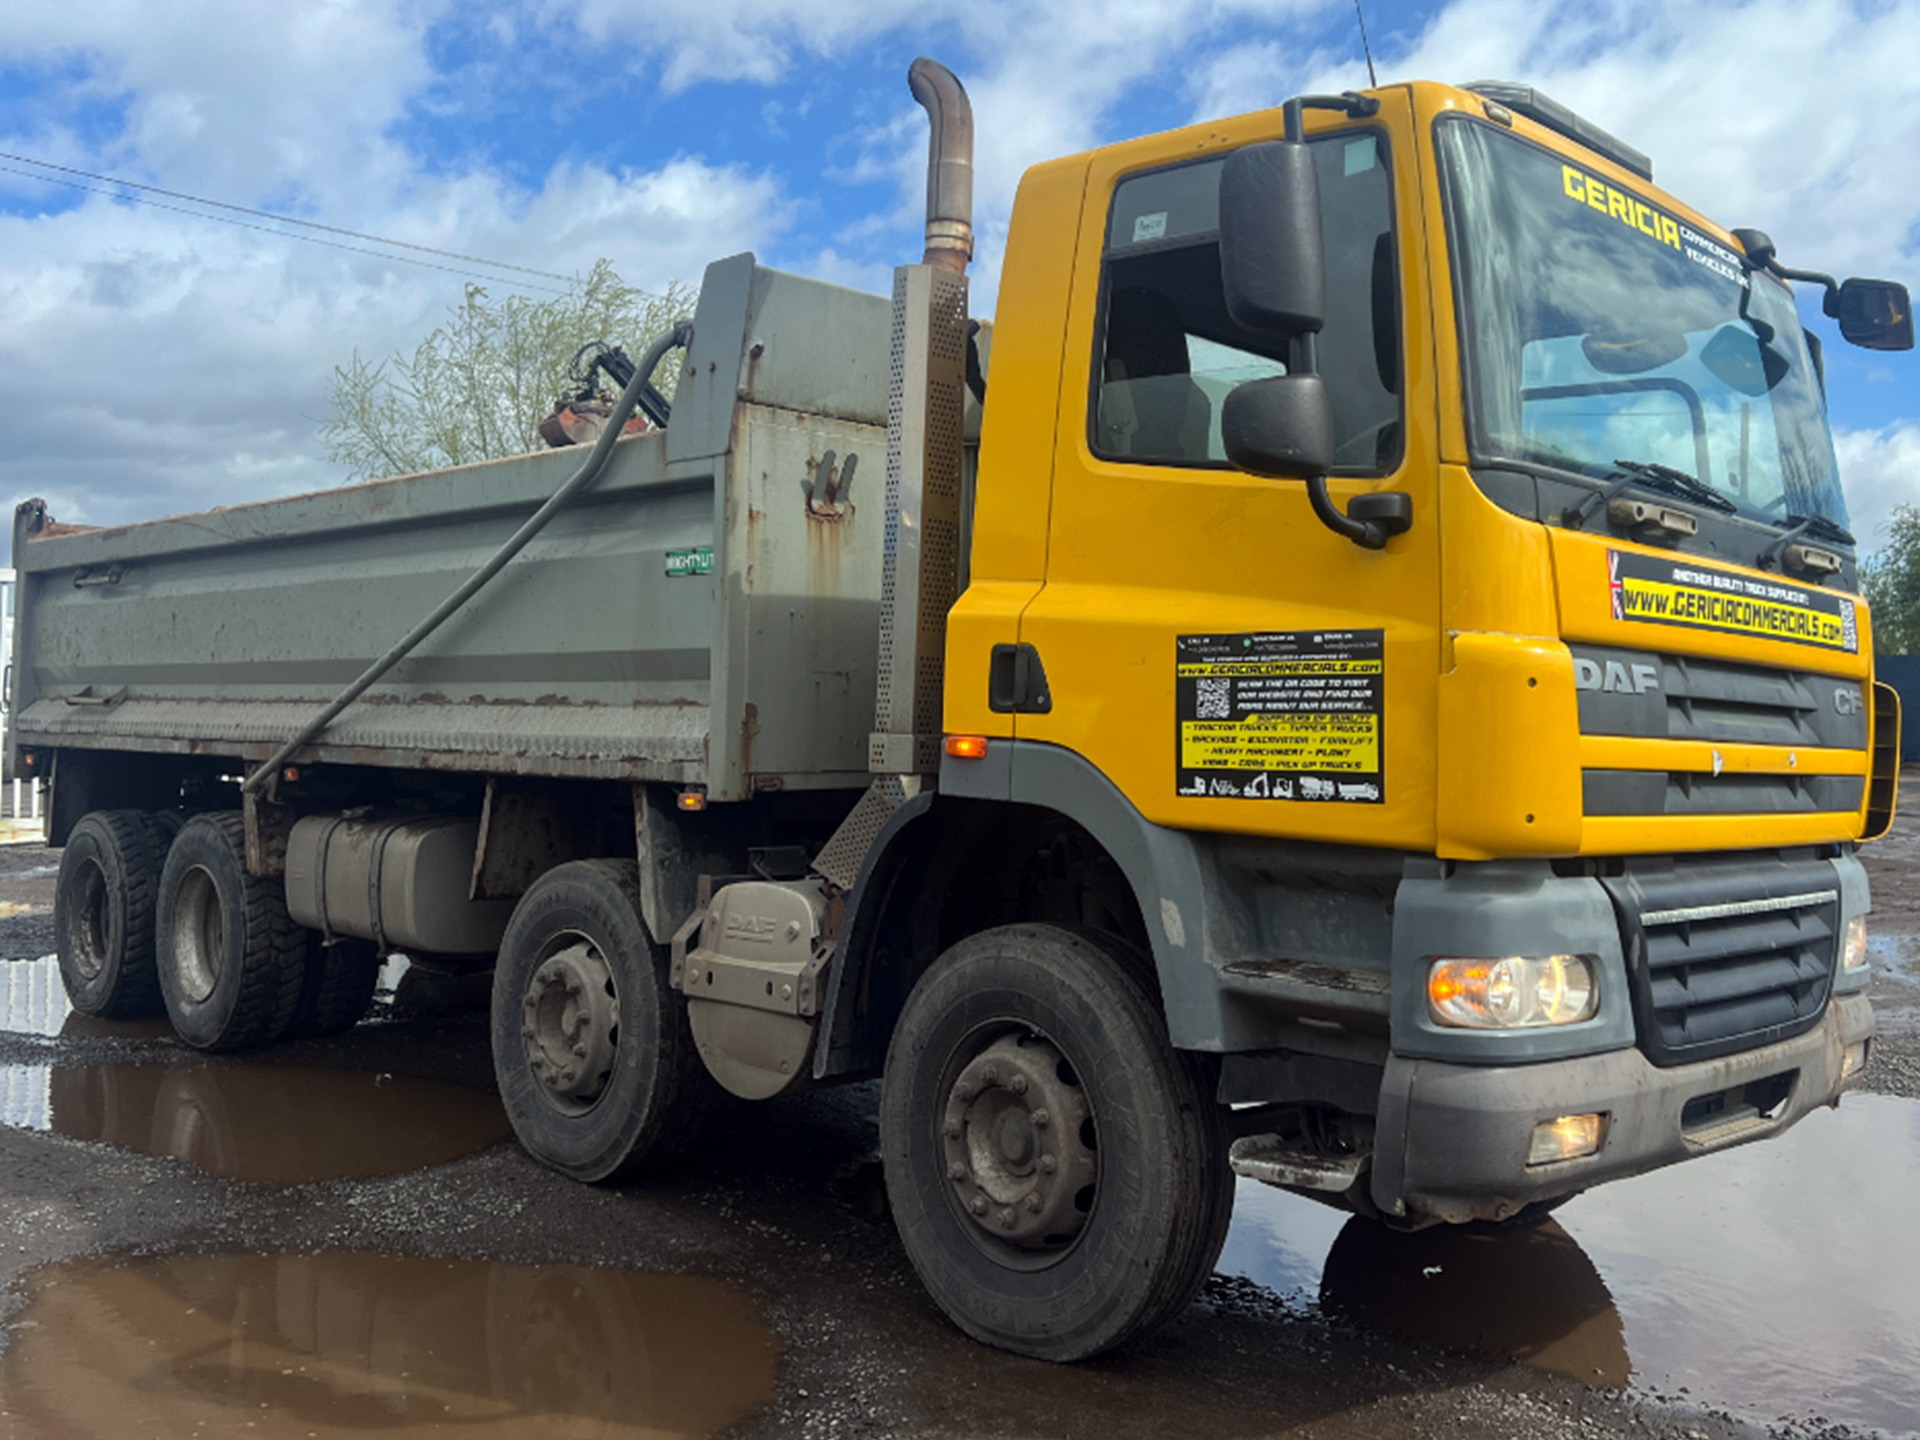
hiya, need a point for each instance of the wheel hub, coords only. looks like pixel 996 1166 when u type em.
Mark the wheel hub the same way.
pixel 570 1026
pixel 1019 1144
pixel 89 924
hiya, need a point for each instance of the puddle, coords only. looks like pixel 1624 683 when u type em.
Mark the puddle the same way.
pixel 342 1343
pixel 277 1124
pixel 1776 1280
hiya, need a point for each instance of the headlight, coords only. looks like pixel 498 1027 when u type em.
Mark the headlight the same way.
pixel 1853 953
pixel 1514 993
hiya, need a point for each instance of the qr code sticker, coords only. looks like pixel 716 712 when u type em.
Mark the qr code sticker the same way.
pixel 1214 701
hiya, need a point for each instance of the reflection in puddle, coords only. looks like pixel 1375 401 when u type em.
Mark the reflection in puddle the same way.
pixel 1773 1279
pixel 32 999
pixel 256 1122
pixel 1529 1294
pixel 340 1343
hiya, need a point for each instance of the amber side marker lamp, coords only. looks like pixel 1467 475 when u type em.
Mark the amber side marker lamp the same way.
pixel 967 747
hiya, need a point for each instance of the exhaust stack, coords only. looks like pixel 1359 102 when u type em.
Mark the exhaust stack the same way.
pixel 949 164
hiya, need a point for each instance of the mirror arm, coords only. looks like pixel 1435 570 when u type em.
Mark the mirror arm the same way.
pixel 1830 302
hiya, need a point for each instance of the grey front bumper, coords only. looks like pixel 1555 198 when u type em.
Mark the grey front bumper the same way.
pixel 1452 1140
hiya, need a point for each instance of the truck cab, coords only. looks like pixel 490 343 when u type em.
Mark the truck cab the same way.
pixel 1547 804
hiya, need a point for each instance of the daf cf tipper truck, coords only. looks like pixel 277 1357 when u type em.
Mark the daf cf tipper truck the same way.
pixel 1354 679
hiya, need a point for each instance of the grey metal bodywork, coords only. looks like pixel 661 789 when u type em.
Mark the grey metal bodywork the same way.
pixel 220 633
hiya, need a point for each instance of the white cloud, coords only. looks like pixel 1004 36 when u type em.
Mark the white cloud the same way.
pixel 1879 470
pixel 151 362
pixel 1759 113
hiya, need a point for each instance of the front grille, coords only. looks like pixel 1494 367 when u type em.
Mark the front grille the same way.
pixel 1642 694
pixel 1725 955
pixel 1683 697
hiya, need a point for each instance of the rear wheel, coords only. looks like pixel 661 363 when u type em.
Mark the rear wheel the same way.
pixel 103 915
pixel 1057 1170
pixel 336 987
pixel 231 959
pixel 591 1047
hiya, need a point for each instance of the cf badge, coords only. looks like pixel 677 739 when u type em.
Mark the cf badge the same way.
pixel 1847 700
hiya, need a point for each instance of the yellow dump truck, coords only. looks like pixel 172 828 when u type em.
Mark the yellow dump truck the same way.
pixel 1354 679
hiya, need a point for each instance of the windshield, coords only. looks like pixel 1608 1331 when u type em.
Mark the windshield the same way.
pixel 1600 329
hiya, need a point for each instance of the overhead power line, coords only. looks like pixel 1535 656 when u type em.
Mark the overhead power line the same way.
pixel 269 230
pixel 40 165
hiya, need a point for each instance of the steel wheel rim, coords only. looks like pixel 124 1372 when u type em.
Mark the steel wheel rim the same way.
pixel 1017 1141
pixel 570 1024
pixel 87 933
pixel 198 947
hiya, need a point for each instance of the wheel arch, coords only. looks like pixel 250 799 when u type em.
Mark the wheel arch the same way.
pixel 921 878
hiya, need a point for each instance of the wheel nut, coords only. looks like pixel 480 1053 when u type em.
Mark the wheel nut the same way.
pixel 1006 1219
pixel 965 1091
pixel 1018 1084
pixel 1032 1202
pixel 579 1052
pixel 956 1171
pixel 989 1075
pixel 1048 1164
pixel 951 1129
pixel 567 1077
pixel 978 1205
pixel 1041 1119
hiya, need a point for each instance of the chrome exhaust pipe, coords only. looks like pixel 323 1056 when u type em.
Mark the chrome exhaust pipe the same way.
pixel 949 164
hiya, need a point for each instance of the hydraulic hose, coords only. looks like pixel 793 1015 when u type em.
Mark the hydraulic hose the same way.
pixel 681 335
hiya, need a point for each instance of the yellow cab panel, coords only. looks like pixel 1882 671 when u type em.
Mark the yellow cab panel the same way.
pixel 1210 647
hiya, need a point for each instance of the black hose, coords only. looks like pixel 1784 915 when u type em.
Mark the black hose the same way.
pixel 680 335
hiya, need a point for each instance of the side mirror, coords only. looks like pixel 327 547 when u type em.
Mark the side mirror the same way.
pixel 1280 427
pixel 1273 264
pixel 1876 314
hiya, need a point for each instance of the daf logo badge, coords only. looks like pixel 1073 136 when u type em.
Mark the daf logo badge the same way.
pixel 1615 677
pixel 1846 700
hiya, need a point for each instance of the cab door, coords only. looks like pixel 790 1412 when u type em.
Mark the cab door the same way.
pixel 1224 659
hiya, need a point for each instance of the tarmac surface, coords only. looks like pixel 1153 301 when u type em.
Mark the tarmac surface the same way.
pixel 332 1238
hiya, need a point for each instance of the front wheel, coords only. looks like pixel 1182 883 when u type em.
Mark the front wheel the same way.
pixel 1057 1170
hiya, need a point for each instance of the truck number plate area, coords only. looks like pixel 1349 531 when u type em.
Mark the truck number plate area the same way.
pixel 1282 715
pixel 1724 1115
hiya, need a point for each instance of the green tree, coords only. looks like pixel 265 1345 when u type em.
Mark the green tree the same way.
pixel 478 387
pixel 1891 583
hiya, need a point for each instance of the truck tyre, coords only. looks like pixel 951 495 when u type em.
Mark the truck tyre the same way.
pixel 591 1047
pixel 336 987
pixel 103 915
pixel 231 959
pixel 1057 1170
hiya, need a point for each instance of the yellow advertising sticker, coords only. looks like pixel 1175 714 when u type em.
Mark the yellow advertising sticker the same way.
pixel 1284 715
pixel 1654 591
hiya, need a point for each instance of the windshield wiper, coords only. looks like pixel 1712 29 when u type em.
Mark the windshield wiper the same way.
pixel 1675 482
pixel 1654 477
pixel 1798 525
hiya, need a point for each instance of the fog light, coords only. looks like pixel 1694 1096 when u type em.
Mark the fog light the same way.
pixel 1567 1138
pixel 1515 993
pixel 1853 953
pixel 1854 1061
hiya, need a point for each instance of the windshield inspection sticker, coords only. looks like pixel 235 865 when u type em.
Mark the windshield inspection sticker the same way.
pixel 1285 715
pixel 1666 592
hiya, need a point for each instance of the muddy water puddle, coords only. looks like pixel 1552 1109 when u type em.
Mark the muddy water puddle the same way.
pixel 1779 1279
pixel 343 1343
pixel 277 1124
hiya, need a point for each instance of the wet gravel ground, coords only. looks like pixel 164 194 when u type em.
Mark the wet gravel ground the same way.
pixel 783 1200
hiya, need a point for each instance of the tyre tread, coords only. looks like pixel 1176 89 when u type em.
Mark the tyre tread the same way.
pixel 134 992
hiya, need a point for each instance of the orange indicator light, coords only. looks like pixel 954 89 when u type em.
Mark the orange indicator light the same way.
pixel 967 747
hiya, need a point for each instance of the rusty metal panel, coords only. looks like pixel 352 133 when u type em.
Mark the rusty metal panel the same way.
pixel 710 623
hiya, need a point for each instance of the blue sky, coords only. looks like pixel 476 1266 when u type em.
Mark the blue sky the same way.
pixel 153 361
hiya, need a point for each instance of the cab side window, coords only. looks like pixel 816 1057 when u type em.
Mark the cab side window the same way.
pixel 1168 353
